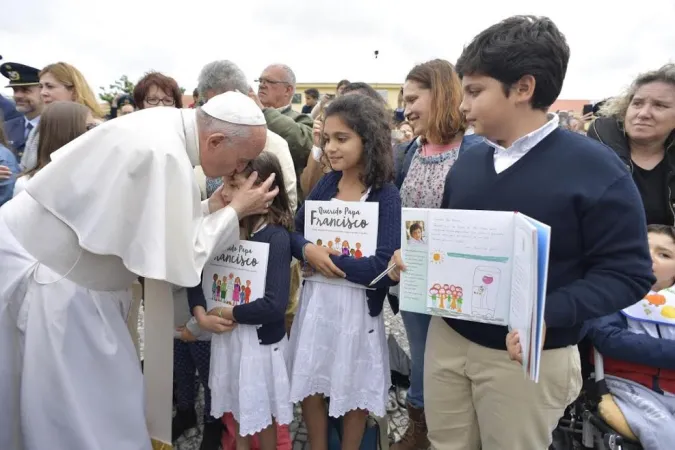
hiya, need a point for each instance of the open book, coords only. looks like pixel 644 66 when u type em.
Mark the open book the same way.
pixel 236 276
pixel 481 266
pixel 348 227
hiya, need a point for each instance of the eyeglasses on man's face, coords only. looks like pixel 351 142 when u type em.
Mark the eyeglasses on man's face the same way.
pixel 263 80
pixel 154 101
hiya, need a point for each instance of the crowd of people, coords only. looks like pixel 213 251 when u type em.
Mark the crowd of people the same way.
pixel 474 135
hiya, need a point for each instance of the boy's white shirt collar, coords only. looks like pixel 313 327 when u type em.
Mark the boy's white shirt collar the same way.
pixel 506 157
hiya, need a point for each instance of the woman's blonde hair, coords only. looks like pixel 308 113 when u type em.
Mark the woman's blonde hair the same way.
pixel 616 107
pixel 73 79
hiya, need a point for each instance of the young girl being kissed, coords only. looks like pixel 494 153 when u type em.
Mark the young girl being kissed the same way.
pixel 338 344
pixel 248 375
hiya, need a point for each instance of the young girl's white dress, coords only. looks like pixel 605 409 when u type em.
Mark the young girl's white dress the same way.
pixel 339 350
pixel 249 379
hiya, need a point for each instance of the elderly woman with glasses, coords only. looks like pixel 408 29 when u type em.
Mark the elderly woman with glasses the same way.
pixel 156 89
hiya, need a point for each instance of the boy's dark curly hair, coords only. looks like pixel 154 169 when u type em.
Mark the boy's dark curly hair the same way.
pixel 367 119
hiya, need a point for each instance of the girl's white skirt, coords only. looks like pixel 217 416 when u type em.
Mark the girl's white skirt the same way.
pixel 339 350
pixel 250 380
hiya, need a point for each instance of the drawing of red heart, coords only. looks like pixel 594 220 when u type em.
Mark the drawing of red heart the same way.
pixel 487 279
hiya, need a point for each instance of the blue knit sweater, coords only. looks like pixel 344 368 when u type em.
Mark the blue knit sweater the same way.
pixel 599 259
pixel 363 270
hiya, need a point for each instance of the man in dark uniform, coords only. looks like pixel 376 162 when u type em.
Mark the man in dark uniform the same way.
pixel 7 108
pixel 25 83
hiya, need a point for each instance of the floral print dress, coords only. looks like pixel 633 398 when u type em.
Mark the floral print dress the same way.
pixel 424 183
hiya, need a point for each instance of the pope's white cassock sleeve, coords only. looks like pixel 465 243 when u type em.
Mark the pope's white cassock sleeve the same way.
pixel 127 188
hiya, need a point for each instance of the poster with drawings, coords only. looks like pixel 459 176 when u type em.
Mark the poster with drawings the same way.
pixel 469 265
pixel 479 266
pixel 346 227
pixel 237 275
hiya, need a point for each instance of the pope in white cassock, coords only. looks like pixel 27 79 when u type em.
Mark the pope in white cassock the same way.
pixel 117 203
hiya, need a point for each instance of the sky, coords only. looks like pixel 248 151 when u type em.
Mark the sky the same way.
pixel 324 41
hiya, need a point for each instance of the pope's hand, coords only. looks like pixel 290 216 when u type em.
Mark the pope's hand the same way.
pixel 5 173
pixel 216 201
pixel 250 200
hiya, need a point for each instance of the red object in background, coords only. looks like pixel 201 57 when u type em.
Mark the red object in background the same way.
pixel 229 442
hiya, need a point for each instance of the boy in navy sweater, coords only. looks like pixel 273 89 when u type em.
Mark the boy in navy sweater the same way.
pixel 475 396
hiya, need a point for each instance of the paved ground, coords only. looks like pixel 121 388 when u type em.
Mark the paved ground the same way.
pixel 397 418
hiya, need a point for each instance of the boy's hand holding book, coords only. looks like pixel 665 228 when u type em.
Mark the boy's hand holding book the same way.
pixel 515 349
pixel 513 346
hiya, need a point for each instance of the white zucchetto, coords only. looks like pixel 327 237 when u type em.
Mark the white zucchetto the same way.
pixel 236 108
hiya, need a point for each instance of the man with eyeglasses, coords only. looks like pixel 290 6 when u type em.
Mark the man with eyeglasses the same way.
pixel 275 93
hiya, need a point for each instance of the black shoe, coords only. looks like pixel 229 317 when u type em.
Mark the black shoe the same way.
pixel 213 433
pixel 183 421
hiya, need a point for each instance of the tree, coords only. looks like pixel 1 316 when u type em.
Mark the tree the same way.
pixel 121 86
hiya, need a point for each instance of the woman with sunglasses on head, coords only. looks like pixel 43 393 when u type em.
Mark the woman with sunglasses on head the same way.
pixel 156 89
pixel 60 123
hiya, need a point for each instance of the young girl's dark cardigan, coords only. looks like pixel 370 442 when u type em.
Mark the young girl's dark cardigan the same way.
pixel 269 311
pixel 363 270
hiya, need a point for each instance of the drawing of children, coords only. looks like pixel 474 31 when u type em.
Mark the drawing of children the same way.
pixel 330 245
pixel 319 243
pixel 459 292
pixel 453 295
pixel 223 292
pixel 248 291
pixel 214 286
pixel 345 248
pixel 435 289
pixel 358 253
pixel 217 296
pixel 242 297
pixel 236 290
pixel 442 296
pixel 337 241
pixel 229 286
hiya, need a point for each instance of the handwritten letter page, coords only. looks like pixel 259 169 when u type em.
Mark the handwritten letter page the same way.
pixel 469 275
